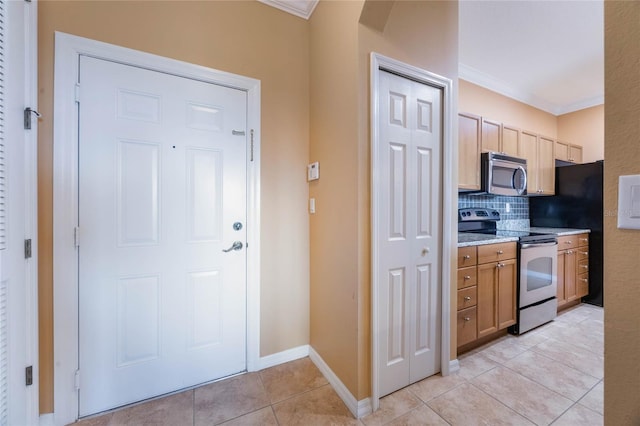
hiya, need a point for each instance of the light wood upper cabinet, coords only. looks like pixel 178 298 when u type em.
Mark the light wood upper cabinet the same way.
pixel 491 136
pixel 575 154
pixel 510 140
pixel 566 151
pixel 546 166
pixel 469 134
pixel 539 153
pixel 528 149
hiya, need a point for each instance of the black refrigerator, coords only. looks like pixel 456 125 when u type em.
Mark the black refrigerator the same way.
pixel 577 204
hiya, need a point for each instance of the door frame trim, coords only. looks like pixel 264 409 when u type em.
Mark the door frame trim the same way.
pixel 68 49
pixel 383 63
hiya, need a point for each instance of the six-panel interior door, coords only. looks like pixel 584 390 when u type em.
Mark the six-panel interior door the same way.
pixel 409 232
pixel 162 181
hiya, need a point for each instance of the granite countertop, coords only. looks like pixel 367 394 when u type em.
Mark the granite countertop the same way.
pixel 559 231
pixel 466 239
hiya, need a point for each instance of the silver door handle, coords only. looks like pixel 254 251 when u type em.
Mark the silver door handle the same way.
pixel 525 246
pixel 237 245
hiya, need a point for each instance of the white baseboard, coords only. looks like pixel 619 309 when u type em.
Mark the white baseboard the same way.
pixel 358 408
pixel 46 420
pixel 454 365
pixel 282 357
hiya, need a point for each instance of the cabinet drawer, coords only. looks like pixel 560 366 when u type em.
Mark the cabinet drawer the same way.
pixel 582 253
pixel 467 277
pixel 583 266
pixel 496 252
pixel 467 297
pixel 583 240
pixel 467 256
pixel 582 285
pixel 467 326
pixel 568 241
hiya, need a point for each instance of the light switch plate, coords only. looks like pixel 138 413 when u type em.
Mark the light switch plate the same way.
pixel 629 202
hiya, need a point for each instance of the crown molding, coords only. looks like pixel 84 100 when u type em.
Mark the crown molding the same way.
pixel 487 81
pixel 301 8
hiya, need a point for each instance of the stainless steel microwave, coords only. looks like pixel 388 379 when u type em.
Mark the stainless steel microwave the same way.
pixel 503 174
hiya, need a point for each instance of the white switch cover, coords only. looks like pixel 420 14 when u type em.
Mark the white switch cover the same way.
pixel 629 202
pixel 312 205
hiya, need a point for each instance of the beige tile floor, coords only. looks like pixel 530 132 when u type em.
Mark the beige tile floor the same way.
pixel 551 375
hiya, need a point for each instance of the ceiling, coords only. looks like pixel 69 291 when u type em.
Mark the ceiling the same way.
pixel 548 54
pixel 545 53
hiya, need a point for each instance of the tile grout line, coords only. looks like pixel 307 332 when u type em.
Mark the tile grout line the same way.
pixel 502 403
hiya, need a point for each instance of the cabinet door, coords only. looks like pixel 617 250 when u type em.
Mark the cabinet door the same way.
pixel 570 275
pixel 491 136
pixel 507 278
pixel 560 279
pixel 575 154
pixel 469 131
pixel 562 151
pixel 467 326
pixel 487 299
pixel 546 165
pixel 528 150
pixel 510 140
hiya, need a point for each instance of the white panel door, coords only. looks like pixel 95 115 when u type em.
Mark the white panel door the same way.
pixel 162 181
pixel 409 236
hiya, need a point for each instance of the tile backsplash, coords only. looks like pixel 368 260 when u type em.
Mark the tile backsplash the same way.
pixel 516 218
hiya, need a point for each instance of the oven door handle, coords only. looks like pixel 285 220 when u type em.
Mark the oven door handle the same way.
pixel 525 246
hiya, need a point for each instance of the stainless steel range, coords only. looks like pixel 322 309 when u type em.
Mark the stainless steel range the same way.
pixel 537 266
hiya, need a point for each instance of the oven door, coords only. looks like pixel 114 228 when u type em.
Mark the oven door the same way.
pixel 538 272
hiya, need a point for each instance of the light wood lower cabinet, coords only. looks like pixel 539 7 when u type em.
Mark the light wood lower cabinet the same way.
pixel 573 268
pixel 486 291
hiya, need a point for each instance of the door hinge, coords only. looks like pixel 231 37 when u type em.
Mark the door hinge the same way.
pixel 28 375
pixel 27 249
pixel 28 112
pixel 251 149
pixel 77 92
pixel 76 380
pixel 76 236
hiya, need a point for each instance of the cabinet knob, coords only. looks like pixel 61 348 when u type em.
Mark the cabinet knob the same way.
pixel 467 319
pixel 585 253
pixel 584 280
pixel 500 265
pixel 568 242
pixel 584 239
pixel 466 257
pixel 467 298
pixel 500 252
pixel 584 266
pixel 467 277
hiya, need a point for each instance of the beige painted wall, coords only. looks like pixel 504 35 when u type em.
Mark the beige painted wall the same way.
pixel 334 227
pixel 585 128
pixel 494 106
pixel 621 246
pixel 242 37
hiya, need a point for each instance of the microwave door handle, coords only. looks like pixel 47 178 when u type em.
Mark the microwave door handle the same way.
pixel 524 183
pixel 524 246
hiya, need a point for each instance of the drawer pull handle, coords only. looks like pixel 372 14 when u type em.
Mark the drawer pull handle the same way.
pixel 466 257
pixel 500 252
pixel 467 298
pixel 467 319
pixel 467 277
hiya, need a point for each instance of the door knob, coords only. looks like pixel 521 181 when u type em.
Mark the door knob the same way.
pixel 237 245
